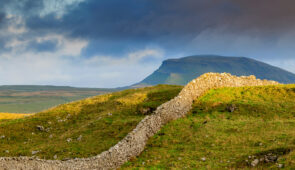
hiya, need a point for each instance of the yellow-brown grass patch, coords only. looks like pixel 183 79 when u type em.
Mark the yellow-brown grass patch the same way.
pixel 13 115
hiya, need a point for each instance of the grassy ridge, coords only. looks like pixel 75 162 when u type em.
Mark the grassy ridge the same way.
pixel 84 128
pixel 213 137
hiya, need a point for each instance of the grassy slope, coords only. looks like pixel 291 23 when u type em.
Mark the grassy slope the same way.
pixel 101 121
pixel 263 123
pixel 29 99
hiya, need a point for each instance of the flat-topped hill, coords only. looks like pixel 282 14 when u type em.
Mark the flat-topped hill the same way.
pixel 181 71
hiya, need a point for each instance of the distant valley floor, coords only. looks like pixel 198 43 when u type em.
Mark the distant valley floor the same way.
pixel 31 99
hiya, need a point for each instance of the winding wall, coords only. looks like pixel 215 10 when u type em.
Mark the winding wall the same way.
pixel 134 143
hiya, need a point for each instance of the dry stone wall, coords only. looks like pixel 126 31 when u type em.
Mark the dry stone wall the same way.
pixel 134 143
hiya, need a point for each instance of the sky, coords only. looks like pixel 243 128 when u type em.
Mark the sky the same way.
pixel 113 43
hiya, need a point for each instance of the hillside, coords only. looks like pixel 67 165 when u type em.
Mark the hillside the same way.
pixel 215 136
pixel 226 128
pixel 181 71
pixel 83 128
pixel 31 99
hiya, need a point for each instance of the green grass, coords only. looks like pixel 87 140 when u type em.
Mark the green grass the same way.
pixel 263 123
pixel 101 122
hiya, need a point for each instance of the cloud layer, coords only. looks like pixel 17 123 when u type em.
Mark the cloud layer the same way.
pixel 110 43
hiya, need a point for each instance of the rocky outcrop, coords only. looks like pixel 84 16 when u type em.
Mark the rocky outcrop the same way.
pixel 134 143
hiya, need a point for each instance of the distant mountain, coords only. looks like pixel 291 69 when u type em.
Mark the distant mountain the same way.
pixel 181 71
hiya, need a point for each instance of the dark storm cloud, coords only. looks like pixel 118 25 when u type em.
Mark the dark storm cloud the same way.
pixel 144 19
pixel 169 23
pixel 113 33
pixel 2 16
pixel 92 19
pixel 113 26
pixel 267 14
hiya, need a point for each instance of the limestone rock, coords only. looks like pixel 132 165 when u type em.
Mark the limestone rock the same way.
pixel 41 128
pixel 255 162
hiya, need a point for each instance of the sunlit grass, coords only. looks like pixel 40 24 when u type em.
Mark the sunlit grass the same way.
pixel 6 116
pixel 263 122
pixel 212 137
pixel 83 128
